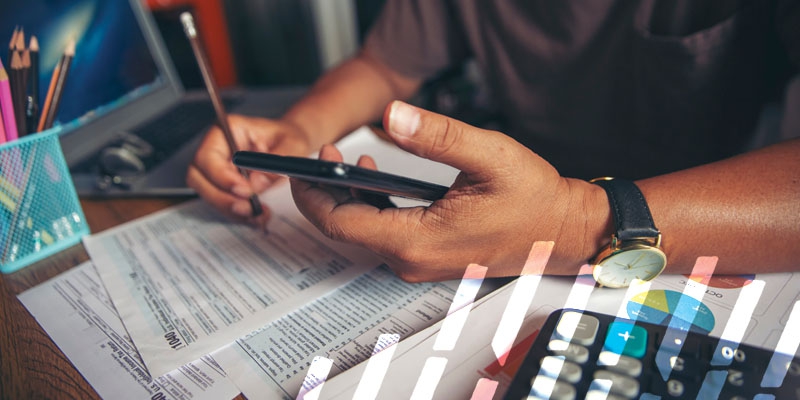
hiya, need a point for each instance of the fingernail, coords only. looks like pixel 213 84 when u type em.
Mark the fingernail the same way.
pixel 403 119
pixel 242 209
pixel 242 191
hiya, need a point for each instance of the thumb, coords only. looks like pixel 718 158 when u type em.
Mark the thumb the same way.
pixel 439 138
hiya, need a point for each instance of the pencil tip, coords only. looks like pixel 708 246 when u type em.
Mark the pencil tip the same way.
pixel 16 61
pixel 188 24
pixel 14 35
pixel 20 39
pixel 34 43
pixel 70 49
pixel 26 58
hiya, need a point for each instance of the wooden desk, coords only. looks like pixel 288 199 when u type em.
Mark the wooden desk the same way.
pixel 32 365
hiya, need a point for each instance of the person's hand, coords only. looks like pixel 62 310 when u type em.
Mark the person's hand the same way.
pixel 218 181
pixel 505 198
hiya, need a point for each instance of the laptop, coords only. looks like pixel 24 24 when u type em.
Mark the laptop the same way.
pixel 126 125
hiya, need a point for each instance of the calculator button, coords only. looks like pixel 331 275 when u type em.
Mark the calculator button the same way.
pixel 557 367
pixel 626 338
pixel 577 328
pixel 620 384
pixel 735 378
pixel 618 363
pixel 570 351
pixel 549 388
pixel 675 388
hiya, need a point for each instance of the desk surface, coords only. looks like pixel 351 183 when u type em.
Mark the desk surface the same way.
pixel 32 365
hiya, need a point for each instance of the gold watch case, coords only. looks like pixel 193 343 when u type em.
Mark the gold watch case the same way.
pixel 620 264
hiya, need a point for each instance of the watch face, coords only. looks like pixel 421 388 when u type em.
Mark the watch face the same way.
pixel 621 268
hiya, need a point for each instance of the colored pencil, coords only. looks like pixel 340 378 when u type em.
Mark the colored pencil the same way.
pixel 2 130
pixel 32 106
pixel 58 93
pixel 12 44
pixel 7 105
pixel 211 85
pixel 19 88
pixel 56 89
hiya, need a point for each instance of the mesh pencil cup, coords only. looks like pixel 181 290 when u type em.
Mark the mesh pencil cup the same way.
pixel 40 214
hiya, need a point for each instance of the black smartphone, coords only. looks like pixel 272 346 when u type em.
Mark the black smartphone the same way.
pixel 340 174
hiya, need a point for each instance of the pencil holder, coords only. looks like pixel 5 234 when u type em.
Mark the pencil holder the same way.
pixel 40 214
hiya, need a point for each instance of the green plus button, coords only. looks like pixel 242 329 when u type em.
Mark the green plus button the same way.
pixel 626 339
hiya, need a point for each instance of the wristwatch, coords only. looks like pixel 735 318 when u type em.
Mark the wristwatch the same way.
pixel 635 248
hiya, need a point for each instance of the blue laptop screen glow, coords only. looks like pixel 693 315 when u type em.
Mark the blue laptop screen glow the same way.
pixel 112 64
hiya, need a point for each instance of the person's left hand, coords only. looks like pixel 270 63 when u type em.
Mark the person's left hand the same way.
pixel 505 198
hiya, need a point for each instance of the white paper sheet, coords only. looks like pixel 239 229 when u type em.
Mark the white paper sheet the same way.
pixel 74 309
pixel 186 281
pixel 342 326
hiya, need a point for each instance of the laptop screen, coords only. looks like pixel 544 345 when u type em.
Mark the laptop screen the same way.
pixel 120 74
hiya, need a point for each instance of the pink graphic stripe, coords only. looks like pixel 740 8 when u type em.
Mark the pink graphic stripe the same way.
pixel 484 390
pixel 524 291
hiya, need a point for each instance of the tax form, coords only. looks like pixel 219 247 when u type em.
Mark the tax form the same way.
pixel 75 311
pixel 186 281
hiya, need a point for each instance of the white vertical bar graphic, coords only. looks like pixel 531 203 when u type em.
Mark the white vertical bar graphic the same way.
pixel 636 287
pixel 315 377
pixel 429 378
pixel 739 319
pixel 521 297
pixel 377 365
pixel 674 337
pixel 581 290
pixel 784 351
pixel 460 308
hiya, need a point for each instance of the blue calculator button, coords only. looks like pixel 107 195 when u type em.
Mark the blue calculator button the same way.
pixel 626 339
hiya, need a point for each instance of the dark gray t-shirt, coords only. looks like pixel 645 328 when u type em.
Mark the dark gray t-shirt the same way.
pixel 608 87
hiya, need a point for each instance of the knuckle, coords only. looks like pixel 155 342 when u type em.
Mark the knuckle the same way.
pixel 450 135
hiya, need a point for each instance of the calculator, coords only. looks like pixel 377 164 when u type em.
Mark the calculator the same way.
pixel 581 354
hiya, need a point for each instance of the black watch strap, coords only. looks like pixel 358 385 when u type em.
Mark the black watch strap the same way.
pixel 632 218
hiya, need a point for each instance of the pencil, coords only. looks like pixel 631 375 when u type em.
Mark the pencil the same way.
pixel 219 108
pixel 7 105
pixel 22 92
pixel 2 131
pixel 58 92
pixel 56 89
pixel 14 76
pixel 17 82
pixel 12 44
pixel 48 97
pixel 32 106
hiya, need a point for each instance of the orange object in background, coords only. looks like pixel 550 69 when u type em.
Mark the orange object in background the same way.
pixel 213 28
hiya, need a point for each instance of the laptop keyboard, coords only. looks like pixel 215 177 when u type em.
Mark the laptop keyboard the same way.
pixel 168 132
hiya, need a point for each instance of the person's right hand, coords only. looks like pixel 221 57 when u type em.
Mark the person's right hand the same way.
pixel 214 177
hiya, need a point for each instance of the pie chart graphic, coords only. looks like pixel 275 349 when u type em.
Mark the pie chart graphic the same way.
pixel 667 307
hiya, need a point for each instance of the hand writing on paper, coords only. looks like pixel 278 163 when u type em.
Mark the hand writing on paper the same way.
pixel 505 198
pixel 216 179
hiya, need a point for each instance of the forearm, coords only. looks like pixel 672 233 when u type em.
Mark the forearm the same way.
pixel 744 210
pixel 350 95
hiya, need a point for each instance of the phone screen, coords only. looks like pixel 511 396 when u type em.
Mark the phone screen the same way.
pixel 340 174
